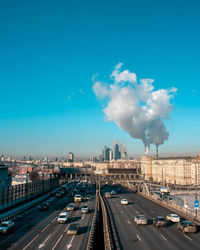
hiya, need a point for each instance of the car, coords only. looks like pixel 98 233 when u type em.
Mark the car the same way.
pixel 6 226
pixel 70 207
pixel 187 226
pixel 58 194
pixel 173 218
pixel 73 228
pixel 52 199
pixel 63 217
pixel 113 192
pixel 62 192
pixel 44 206
pixel 124 202
pixel 84 209
pixel 160 221
pixel 140 219
pixel 107 195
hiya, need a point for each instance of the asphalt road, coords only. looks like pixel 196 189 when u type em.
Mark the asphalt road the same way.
pixel 40 230
pixel 132 236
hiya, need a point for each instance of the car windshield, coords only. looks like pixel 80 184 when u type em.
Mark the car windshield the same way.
pixel 141 216
pixel 62 216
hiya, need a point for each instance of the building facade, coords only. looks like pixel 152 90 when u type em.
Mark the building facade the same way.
pixel 173 170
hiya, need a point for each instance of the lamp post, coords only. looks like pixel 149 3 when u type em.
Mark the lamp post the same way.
pixel 196 187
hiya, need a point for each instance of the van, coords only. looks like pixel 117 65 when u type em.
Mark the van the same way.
pixel 63 217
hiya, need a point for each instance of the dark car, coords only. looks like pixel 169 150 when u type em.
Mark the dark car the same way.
pixel 160 221
pixel 187 227
pixel 6 226
pixel 73 228
pixel 44 206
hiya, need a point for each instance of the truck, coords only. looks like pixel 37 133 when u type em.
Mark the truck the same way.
pixel 77 198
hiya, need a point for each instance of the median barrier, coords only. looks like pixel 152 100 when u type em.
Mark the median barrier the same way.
pixel 108 241
pixel 92 233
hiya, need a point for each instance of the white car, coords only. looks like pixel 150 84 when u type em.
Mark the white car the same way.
pixel 63 217
pixel 124 201
pixel 173 217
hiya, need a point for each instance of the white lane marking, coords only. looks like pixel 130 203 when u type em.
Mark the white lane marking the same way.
pixel 57 242
pixel 66 228
pixel 117 205
pixel 122 212
pixel 139 237
pixel 44 228
pixel 43 244
pixel 152 212
pixel 54 219
pixel 31 242
pixel 136 211
pixel 187 237
pixel 163 237
pixel 70 244
pixel 128 221
pixel 83 217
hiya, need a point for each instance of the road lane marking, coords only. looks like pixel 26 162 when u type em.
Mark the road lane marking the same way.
pixel 66 228
pixel 187 237
pixel 128 222
pixel 117 205
pixel 70 244
pixel 54 219
pixel 139 237
pixel 152 212
pixel 137 212
pixel 83 217
pixel 57 242
pixel 43 244
pixel 122 212
pixel 44 228
pixel 163 237
pixel 30 242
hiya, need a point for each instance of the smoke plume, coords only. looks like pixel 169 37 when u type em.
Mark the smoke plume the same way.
pixel 135 106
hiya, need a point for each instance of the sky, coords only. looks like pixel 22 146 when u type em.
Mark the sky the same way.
pixel 51 50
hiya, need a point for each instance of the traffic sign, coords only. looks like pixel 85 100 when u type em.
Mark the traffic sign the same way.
pixel 196 204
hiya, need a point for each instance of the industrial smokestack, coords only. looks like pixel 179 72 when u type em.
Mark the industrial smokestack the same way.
pixel 147 151
pixel 156 151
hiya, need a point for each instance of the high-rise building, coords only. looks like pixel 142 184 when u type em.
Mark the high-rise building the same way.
pixel 116 152
pixel 106 153
pixel 123 152
pixel 71 157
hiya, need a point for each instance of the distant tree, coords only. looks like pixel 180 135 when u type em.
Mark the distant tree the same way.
pixel 34 176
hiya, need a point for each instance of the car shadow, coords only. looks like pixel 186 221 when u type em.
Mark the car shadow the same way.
pixel 84 229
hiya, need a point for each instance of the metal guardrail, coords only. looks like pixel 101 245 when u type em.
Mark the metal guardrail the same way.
pixel 108 241
pixel 91 237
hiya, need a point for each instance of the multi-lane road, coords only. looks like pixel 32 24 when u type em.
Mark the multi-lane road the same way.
pixel 40 230
pixel 132 236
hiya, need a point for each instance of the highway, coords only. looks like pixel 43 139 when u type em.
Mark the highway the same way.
pixel 148 236
pixel 40 230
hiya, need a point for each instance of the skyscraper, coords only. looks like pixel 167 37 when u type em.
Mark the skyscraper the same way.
pixel 71 157
pixel 116 152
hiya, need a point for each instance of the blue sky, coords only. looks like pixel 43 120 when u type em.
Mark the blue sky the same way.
pixel 49 51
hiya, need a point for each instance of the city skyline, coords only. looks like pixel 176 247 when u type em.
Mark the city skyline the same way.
pixel 50 54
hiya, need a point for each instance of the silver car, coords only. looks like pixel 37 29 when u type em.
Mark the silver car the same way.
pixel 6 226
pixel 141 219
